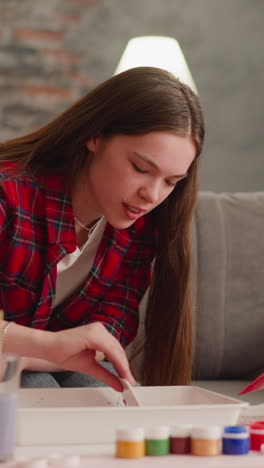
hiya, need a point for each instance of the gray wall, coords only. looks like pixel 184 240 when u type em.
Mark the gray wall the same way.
pixel 53 51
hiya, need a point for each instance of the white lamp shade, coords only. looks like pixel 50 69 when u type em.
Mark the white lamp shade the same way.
pixel 156 51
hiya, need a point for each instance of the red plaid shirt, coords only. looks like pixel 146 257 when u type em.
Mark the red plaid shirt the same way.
pixel 37 231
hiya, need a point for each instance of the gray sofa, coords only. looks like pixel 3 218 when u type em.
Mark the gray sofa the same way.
pixel 228 288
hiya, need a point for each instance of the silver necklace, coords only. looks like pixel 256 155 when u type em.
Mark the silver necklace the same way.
pixel 89 230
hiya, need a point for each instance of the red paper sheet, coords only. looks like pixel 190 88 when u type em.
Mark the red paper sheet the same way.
pixel 256 384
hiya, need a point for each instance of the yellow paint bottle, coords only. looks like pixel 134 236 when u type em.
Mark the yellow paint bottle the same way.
pixel 130 443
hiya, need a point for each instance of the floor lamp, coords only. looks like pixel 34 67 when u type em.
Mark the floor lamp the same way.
pixel 156 51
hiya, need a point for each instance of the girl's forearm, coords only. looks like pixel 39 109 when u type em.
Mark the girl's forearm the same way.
pixel 39 365
pixel 25 341
pixel 34 345
pixel 37 347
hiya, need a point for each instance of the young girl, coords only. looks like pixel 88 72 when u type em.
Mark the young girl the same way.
pixel 91 205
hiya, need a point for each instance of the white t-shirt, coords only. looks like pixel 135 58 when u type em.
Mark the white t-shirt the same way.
pixel 73 268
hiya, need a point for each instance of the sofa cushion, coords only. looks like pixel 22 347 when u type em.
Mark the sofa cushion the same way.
pixel 228 243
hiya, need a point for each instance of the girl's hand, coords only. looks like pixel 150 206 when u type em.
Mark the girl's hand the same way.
pixel 75 349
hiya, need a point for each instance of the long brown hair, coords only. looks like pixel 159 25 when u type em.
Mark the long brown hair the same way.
pixel 137 101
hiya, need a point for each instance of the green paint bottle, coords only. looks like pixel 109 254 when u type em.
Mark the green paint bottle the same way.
pixel 157 441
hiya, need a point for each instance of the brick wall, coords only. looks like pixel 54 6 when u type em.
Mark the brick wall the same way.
pixel 40 61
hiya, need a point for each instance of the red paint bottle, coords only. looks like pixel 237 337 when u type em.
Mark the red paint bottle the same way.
pixel 256 430
pixel 180 439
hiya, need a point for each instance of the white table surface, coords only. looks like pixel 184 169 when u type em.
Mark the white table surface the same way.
pixel 101 456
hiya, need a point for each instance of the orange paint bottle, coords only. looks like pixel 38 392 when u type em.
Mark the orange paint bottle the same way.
pixel 206 440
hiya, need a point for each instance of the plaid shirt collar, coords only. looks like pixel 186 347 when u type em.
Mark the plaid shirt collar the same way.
pixel 60 217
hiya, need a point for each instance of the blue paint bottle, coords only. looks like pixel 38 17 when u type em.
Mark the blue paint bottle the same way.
pixel 236 440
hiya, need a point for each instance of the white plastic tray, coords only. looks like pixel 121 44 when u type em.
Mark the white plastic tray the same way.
pixel 89 415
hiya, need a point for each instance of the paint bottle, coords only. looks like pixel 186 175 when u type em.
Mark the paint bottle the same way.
pixel 9 384
pixel 206 440
pixel 157 441
pixel 256 430
pixel 235 440
pixel 8 410
pixel 130 443
pixel 180 439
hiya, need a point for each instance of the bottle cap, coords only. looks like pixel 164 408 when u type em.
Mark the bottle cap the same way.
pixel 180 430
pixel 235 429
pixel 206 432
pixel 38 463
pixel 158 432
pixel 71 461
pixel 135 434
pixel 257 425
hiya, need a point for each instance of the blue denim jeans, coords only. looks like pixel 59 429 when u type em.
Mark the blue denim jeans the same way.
pixel 30 379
